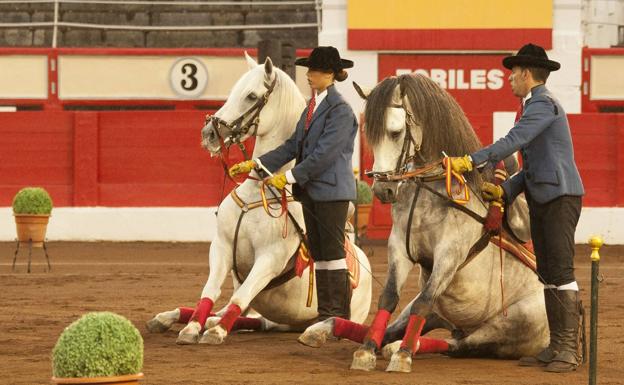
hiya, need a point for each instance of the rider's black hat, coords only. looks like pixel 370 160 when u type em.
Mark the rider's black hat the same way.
pixel 531 55
pixel 326 59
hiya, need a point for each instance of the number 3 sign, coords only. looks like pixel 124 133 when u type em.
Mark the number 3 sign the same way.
pixel 188 77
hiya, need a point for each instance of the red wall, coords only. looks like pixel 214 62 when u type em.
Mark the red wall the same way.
pixel 128 158
pixel 154 158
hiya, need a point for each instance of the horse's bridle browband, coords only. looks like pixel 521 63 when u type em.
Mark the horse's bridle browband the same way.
pixel 245 123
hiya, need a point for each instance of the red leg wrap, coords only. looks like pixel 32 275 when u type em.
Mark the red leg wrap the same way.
pixel 350 330
pixel 378 327
pixel 432 345
pixel 185 314
pixel 202 311
pixel 247 323
pixel 412 332
pixel 230 316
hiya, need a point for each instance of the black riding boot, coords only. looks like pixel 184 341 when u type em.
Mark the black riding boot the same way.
pixel 341 293
pixel 323 295
pixel 544 357
pixel 568 358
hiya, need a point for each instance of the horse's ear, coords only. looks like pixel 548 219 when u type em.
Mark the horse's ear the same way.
pixel 251 63
pixel 268 67
pixel 363 93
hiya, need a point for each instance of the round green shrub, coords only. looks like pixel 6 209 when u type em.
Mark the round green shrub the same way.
pixel 99 344
pixel 364 193
pixel 32 200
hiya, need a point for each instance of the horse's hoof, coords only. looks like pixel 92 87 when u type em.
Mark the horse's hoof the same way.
pixel 401 361
pixel 313 338
pixel 156 326
pixel 187 339
pixel 364 359
pixel 214 336
pixel 390 349
pixel 211 322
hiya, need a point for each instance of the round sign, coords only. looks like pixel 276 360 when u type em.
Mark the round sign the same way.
pixel 188 77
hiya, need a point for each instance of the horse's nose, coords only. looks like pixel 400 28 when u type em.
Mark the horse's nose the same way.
pixel 386 192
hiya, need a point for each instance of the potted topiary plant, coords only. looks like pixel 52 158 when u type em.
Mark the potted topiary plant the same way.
pixel 98 348
pixel 363 204
pixel 32 207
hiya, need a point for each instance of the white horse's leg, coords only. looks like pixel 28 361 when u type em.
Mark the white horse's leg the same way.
pixel 220 262
pixel 399 267
pixel 262 272
pixel 335 327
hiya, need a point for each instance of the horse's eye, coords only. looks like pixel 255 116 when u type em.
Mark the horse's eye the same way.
pixel 395 135
pixel 252 96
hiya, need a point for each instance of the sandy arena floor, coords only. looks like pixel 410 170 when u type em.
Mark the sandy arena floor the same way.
pixel 139 280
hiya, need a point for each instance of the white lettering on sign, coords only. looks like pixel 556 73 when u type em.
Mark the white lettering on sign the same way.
pixel 459 79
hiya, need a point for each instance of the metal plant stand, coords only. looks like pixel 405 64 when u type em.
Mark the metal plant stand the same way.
pixel 32 245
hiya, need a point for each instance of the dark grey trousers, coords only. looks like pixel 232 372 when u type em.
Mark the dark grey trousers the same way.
pixel 325 223
pixel 552 230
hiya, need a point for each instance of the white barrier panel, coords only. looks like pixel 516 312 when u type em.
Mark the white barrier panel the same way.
pixel 198 224
pixel 23 77
pixel 136 77
pixel 176 224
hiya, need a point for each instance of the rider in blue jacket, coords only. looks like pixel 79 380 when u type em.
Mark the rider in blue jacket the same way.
pixel 553 188
pixel 322 178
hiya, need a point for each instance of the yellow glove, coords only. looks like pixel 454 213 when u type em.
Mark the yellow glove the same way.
pixel 279 181
pixel 492 192
pixel 242 168
pixel 461 164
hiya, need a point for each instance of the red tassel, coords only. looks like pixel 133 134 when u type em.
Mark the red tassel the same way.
pixel 378 327
pixel 350 330
pixel 494 218
pixel 412 332
pixel 247 323
pixel 230 316
pixel 432 345
pixel 185 314
pixel 202 311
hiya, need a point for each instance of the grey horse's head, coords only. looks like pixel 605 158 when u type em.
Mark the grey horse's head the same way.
pixel 435 122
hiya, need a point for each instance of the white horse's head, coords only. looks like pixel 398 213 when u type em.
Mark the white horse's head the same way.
pixel 261 101
pixel 410 121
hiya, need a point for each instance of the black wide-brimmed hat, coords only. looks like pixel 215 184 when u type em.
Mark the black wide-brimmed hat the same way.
pixel 326 59
pixel 531 55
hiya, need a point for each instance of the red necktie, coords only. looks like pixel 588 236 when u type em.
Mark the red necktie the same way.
pixel 310 111
pixel 519 112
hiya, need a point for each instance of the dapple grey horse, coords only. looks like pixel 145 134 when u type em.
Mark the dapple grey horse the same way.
pixel 410 122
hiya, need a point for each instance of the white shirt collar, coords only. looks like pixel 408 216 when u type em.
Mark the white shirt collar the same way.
pixel 526 97
pixel 319 98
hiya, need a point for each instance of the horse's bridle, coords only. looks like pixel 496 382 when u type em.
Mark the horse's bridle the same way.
pixel 241 126
pixel 405 161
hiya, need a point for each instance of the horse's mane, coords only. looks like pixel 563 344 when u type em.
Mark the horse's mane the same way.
pixel 444 124
pixel 288 99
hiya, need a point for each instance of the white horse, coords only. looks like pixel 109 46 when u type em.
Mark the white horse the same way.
pixel 265 102
pixel 410 121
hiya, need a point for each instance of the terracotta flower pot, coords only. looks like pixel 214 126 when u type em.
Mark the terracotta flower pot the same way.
pixel 363 212
pixel 128 379
pixel 31 227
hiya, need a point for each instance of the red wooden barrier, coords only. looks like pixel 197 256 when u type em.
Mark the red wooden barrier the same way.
pixel 154 158
pixel 126 158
